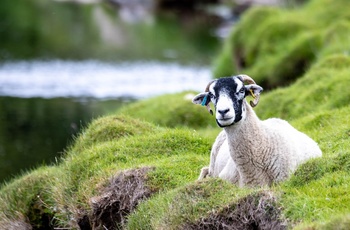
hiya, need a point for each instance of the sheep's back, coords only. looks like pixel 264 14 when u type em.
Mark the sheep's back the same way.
pixel 296 146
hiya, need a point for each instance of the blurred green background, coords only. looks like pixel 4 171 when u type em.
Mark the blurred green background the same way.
pixel 36 130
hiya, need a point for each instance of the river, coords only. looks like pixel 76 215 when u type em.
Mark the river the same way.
pixel 96 79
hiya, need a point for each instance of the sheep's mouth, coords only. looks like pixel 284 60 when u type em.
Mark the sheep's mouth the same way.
pixel 223 122
pixel 225 119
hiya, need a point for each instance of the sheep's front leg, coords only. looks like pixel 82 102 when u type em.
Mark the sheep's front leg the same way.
pixel 204 173
pixel 230 172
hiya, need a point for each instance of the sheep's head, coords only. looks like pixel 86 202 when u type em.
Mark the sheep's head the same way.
pixel 228 94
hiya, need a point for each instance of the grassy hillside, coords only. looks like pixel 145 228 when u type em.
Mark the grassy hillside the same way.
pixel 137 169
pixel 277 46
pixel 69 193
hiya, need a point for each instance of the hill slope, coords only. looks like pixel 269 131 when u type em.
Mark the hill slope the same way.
pixel 138 171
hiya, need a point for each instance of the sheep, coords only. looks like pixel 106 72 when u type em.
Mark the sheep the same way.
pixel 249 151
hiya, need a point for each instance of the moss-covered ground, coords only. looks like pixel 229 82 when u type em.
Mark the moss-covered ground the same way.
pixel 155 148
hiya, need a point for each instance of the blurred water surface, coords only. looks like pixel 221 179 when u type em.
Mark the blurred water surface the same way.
pixel 96 79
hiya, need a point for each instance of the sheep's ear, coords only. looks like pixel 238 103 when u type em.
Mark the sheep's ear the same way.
pixel 254 91
pixel 200 98
pixel 204 100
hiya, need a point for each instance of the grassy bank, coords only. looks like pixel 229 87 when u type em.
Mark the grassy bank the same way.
pixel 65 194
pixel 137 169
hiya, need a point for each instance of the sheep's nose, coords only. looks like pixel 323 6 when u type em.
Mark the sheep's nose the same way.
pixel 223 111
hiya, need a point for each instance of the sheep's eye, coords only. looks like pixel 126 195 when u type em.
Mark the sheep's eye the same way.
pixel 212 96
pixel 241 90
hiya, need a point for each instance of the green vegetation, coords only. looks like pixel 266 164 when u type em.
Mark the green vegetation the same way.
pixel 317 191
pixel 322 88
pixel 285 43
pixel 172 139
pixel 42 29
pixel 33 29
pixel 109 145
pixel 172 110
pixel 185 204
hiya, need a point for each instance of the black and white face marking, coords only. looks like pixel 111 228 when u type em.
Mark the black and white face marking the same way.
pixel 227 94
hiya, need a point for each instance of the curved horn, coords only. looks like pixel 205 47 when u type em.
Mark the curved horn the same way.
pixel 246 79
pixel 207 88
pixel 249 80
pixel 255 101
pixel 207 104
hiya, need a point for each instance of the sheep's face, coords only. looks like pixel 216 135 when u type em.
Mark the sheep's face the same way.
pixel 228 95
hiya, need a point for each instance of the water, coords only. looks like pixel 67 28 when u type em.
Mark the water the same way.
pixel 43 104
pixel 95 79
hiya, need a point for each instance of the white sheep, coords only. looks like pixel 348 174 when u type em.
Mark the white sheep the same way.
pixel 249 151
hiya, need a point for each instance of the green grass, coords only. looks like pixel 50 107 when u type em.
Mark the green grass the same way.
pixel 174 137
pixel 185 204
pixel 18 197
pixel 171 110
pixel 318 190
pixel 322 88
pixel 109 145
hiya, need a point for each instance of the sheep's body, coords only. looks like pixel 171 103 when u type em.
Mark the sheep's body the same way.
pixel 250 151
pixel 255 152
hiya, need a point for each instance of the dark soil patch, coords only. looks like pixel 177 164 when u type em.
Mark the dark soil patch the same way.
pixel 39 216
pixel 258 211
pixel 118 200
